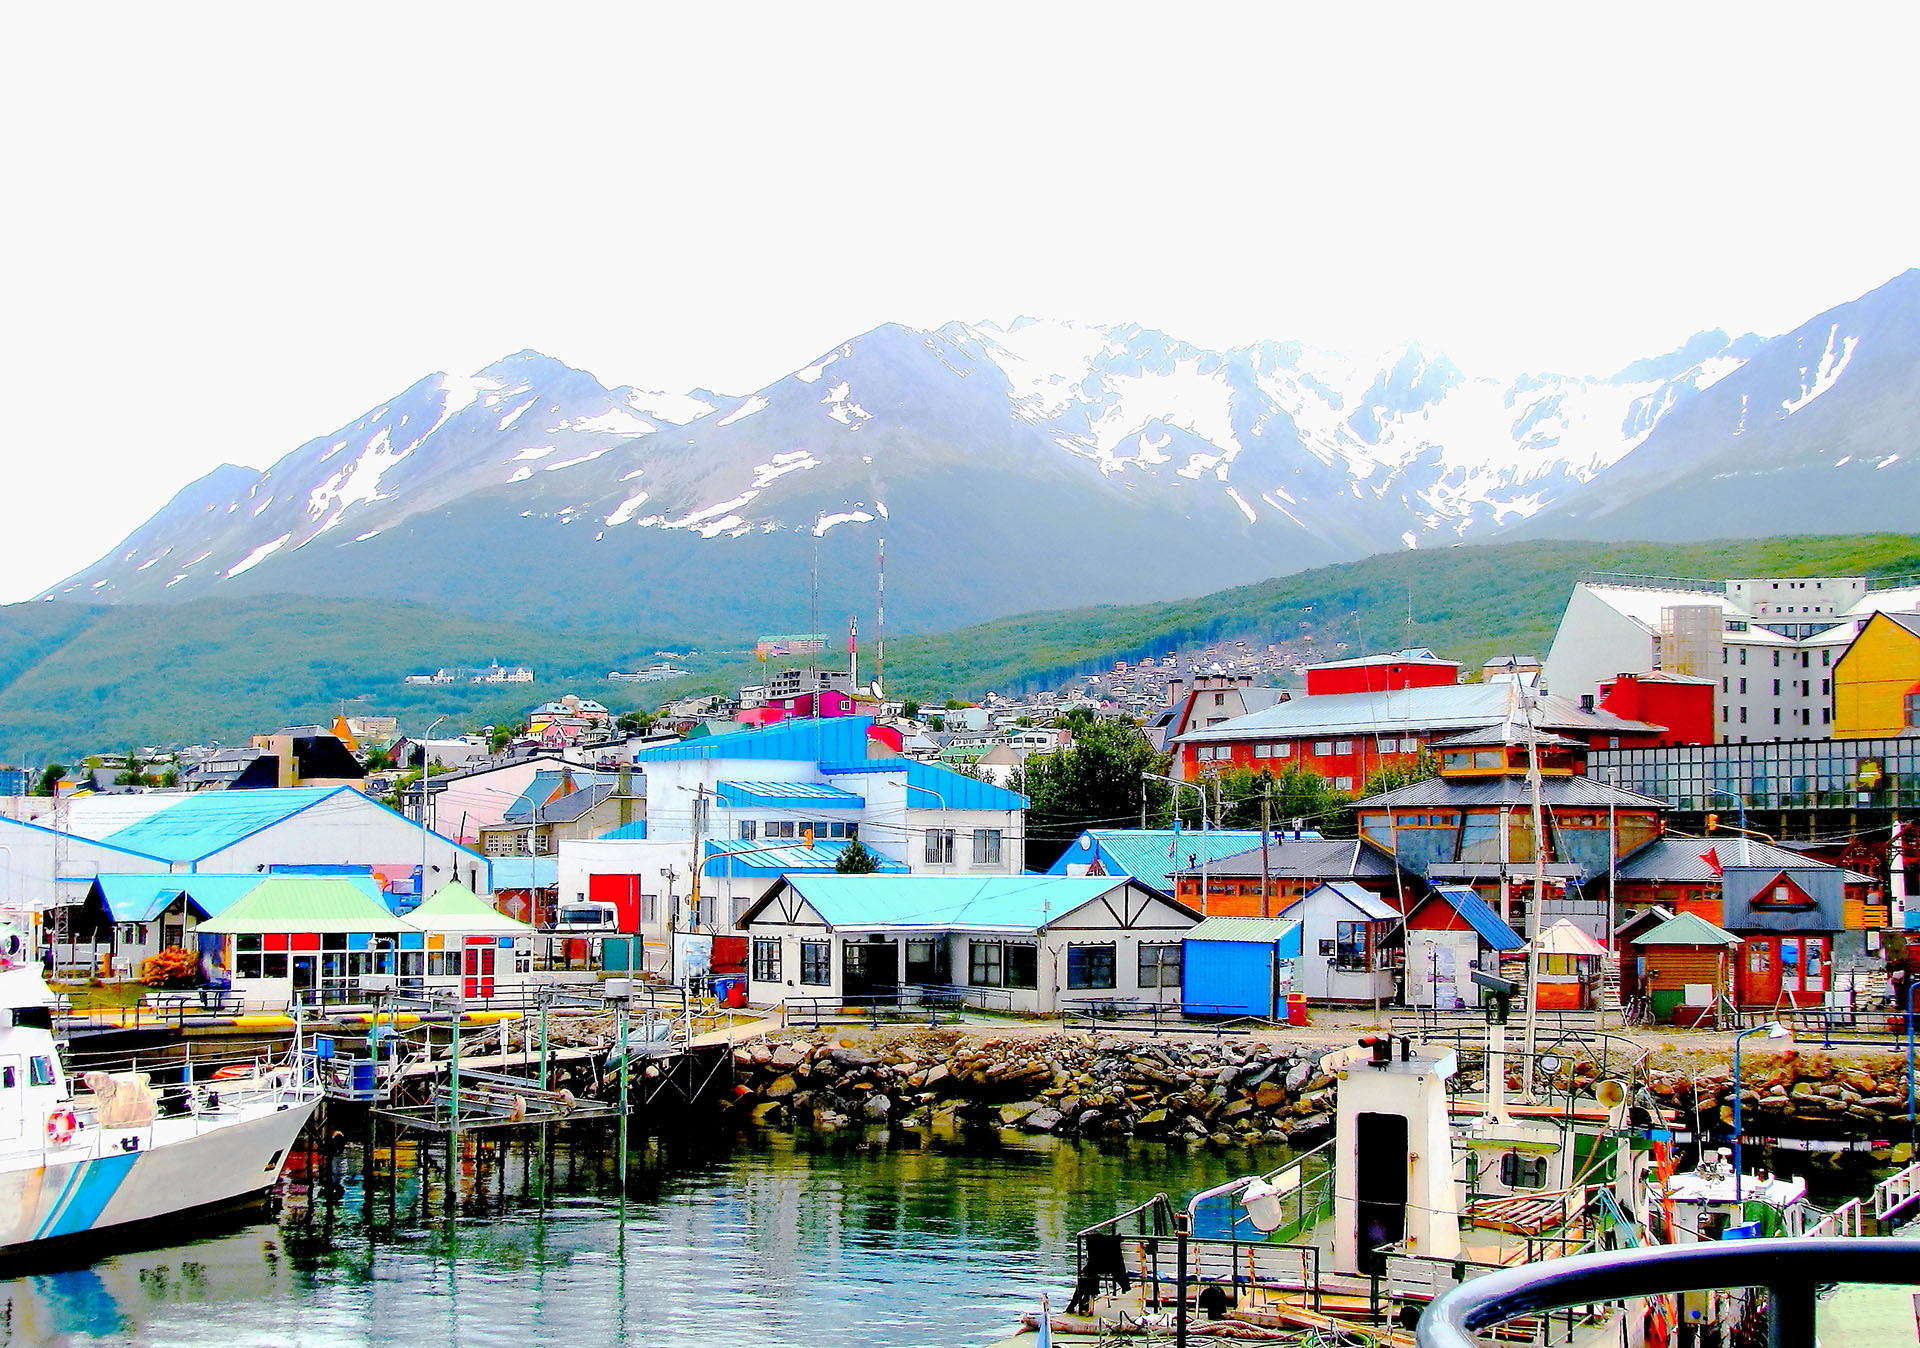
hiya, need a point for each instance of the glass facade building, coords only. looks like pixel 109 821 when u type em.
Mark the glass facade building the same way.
pixel 1775 774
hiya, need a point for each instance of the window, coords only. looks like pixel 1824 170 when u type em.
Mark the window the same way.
pixel 1343 783
pixel 1826 687
pixel 1090 966
pixel 1743 716
pixel 1343 746
pixel 1390 746
pixel 749 829
pixel 1776 659
pixel 782 828
pixel 1776 688
pixel 984 964
pixel 1776 716
pixel 40 1071
pixel 1219 699
pixel 1743 687
pixel 1022 966
pixel 1159 965
pixel 1759 957
pixel 1723 684
pixel 927 961
pixel 1743 655
pixel 816 963
pixel 986 847
pixel 1322 748
pixel 940 846
pixel 1350 947
pixel 1826 657
pixel 766 959
pixel 1520 1171
pixel 8 1078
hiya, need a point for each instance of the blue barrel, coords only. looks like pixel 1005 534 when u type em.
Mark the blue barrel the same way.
pixel 362 1080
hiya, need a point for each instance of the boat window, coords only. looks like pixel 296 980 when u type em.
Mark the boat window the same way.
pixel 9 1077
pixel 1519 1171
pixel 42 1074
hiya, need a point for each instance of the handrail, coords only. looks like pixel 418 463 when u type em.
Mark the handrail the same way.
pixel 1791 1268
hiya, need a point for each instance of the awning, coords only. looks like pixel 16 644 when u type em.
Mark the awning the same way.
pixel 1563 938
pixel 1488 925
pixel 787 796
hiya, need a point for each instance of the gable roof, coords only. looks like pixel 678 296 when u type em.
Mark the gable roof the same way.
pixel 457 908
pixel 1488 925
pixel 211 821
pixel 1571 792
pixel 931 787
pixel 1682 859
pixel 298 903
pixel 1149 855
pixel 1366 904
pixel 1307 859
pixel 1253 930
pixel 1686 929
pixel 1015 904
pixel 1563 938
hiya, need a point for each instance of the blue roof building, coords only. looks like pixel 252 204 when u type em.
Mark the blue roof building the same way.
pixel 1152 855
pixel 1028 943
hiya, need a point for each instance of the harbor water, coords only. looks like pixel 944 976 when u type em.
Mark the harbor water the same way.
pixel 803 1239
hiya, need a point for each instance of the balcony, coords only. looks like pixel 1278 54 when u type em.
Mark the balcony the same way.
pixel 1790 1271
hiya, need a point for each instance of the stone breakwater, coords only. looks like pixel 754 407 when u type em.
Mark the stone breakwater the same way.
pixel 1810 1089
pixel 1076 1086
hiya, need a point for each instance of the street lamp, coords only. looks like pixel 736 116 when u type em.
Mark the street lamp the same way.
pixel 1206 852
pixel 421 890
pixel 1912 986
pixel 1773 1029
pixel 946 842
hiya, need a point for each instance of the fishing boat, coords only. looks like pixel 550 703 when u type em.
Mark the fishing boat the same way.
pixel 88 1158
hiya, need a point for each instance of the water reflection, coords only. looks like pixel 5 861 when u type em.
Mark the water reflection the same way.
pixel 783 1239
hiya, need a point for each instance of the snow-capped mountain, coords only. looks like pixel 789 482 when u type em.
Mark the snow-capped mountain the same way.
pixel 1013 467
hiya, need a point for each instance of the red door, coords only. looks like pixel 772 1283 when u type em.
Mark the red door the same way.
pixel 1784 970
pixel 477 967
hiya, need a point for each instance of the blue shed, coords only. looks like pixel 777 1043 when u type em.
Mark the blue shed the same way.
pixel 1233 966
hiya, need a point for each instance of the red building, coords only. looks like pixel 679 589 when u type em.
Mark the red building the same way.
pixel 1680 703
pixel 1347 737
pixel 1380 673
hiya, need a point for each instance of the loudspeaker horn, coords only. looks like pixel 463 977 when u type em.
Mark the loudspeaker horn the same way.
pixel 1610 1094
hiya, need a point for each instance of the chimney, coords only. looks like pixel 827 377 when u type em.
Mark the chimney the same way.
pixel 1176 686
pixel 1586 702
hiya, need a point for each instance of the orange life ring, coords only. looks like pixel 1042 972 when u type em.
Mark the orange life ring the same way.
pixel 60 1127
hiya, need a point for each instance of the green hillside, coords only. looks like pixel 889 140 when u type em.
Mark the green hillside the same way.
pixel 1468 603
pixel 76 679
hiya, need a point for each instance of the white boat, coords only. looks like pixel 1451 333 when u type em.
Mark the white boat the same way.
pixel 99 1156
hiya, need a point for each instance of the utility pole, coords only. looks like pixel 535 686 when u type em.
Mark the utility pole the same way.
pixel 1266 840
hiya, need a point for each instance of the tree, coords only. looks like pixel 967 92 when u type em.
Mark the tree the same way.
pixel 855 859
pixel 49 784
pixel 130 775
pixel 910 710
pixel 1394 776
pixel 1095 782
pixel 1297 793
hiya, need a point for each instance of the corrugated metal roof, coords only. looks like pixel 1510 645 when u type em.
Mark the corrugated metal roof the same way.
pixel 787 796
pixel 1488 925
pixel 139 898
pixel 1450 707
pixel 816 739
pixel 299 904
pixel 1369 906
pixel 725 857
pixel 1150 855
pixel 1006 903
pixel 205 822
pixel 457 908
pixel 1681 859
pixel 1306 859
pixel 1563 938
pixel 632 832
pixel 1252 930
pixel 1454 792
pixel 937 787
pixel 1686 929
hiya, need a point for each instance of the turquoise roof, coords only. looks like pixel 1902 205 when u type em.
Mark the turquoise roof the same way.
pixel 817 739
pixel 1150 855
pixel 206 822
pixel 763 861
pixel 142 898
pixel 787 796
pixel 957 790
pixel 1011 903
pixel 633 832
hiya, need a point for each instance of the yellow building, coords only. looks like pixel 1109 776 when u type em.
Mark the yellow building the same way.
pixel 1876 681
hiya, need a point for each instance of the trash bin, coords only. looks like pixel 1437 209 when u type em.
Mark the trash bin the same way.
pixel 736 992
pixel 1297 1008
pixel 362 1079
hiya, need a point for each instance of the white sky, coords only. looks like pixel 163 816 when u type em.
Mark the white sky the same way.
pixel 230 228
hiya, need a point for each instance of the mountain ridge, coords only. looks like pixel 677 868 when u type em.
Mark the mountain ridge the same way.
pixel 1034 464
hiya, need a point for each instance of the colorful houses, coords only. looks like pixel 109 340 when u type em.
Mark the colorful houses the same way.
pixel 1876 681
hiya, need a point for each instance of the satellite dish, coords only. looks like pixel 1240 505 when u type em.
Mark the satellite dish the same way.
pixel 1610 1093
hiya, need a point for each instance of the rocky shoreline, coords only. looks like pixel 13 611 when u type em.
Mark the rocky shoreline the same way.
pixel 1073 1086
pixel 1232 1091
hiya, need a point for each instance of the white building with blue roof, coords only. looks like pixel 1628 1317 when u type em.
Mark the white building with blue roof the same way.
pixel 1036 944
pixel 747 807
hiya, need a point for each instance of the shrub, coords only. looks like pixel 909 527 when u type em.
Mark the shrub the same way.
pixel 174 967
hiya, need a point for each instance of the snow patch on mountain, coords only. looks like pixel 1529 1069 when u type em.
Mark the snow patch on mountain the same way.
pixel 257 556
pixel 1820 378
pixel 746 409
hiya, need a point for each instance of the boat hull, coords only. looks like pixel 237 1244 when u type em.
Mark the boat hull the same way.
pixel 177 1166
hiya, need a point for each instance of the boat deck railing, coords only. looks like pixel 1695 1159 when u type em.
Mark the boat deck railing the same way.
pixel 1791 1270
